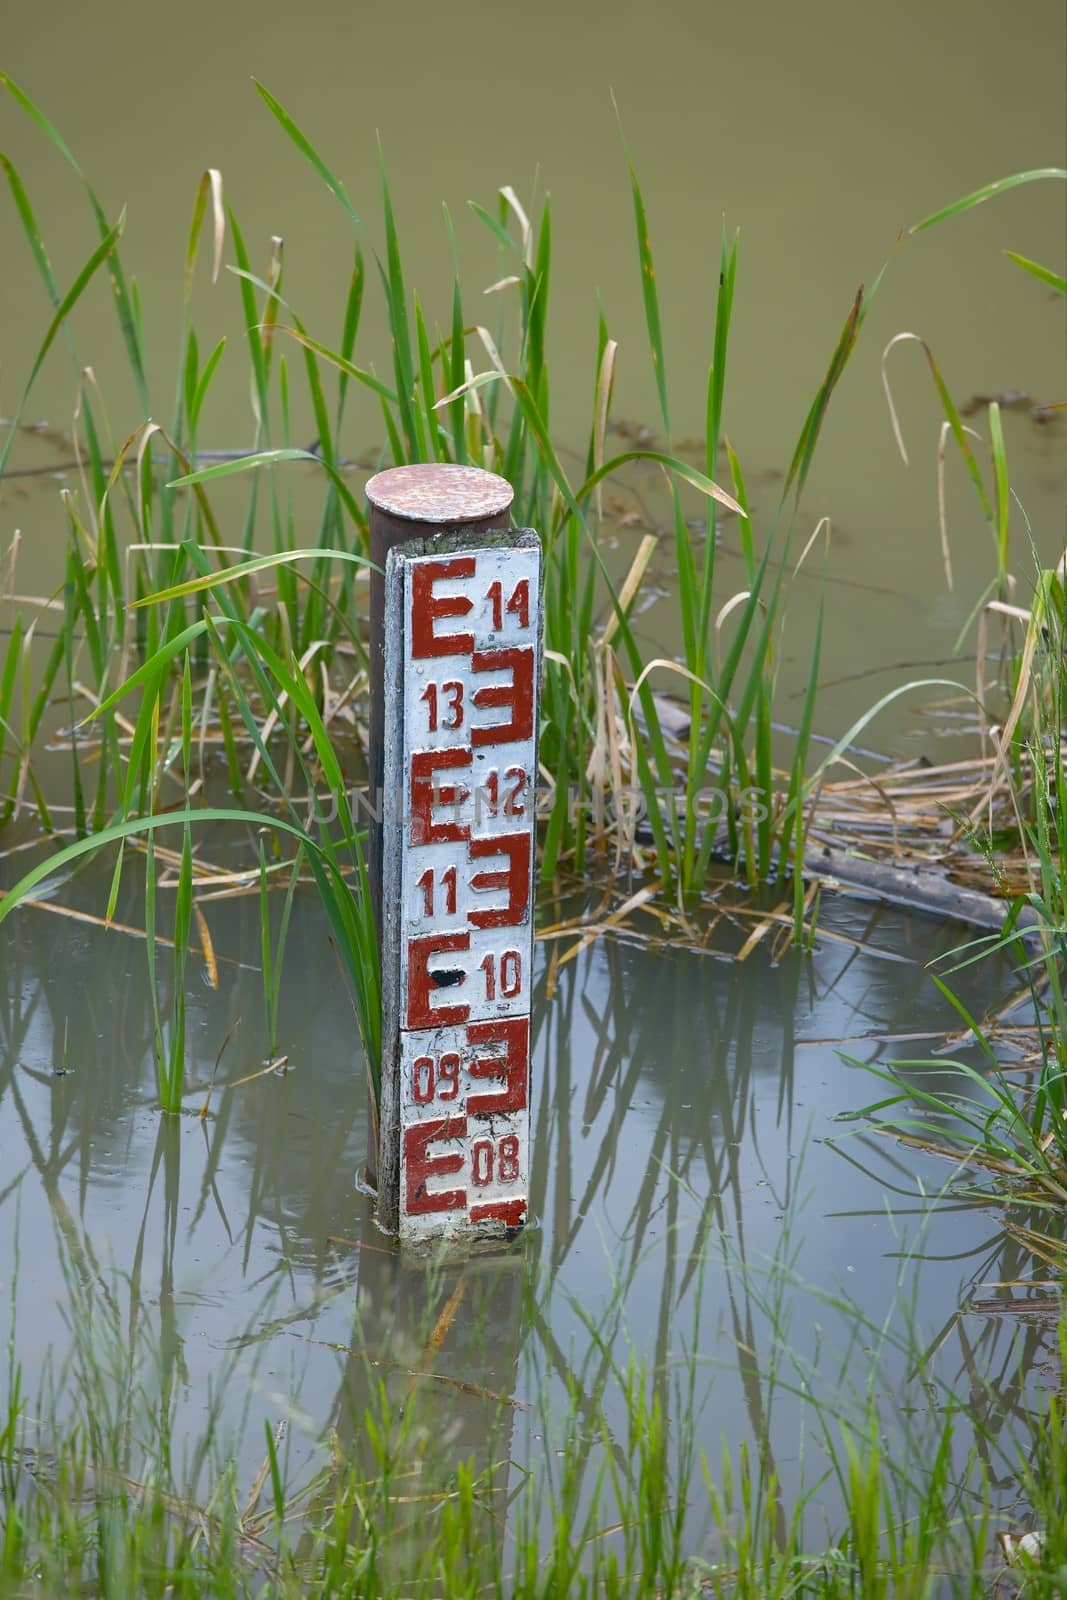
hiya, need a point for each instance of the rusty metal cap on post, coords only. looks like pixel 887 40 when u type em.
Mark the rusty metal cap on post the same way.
pixel 440 492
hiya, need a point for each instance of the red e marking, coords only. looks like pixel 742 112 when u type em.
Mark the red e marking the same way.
pixel 423 983
pixel 508 1058
pixel 515 878
pixel 518 695
pixel 426 795
pixel 426 607
pixel 420 1166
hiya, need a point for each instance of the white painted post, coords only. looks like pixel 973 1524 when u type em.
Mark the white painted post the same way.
pixel 462 658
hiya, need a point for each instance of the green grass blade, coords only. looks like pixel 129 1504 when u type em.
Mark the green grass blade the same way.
pixel 63 310
pixel 748 549
pixel 796 781
pixel 257 564
pixel 717 375
pixel 975 1027
pixel 713 430
pixel 1043 274
pixel 959 433
pixel 987 192
pixel 249 463
pixel 174 1070
pixel 350 328
pixel 150 669
pixel 30 228
pixel 535 299
pixel 454 358
pixel 124 300
pixel 800 465
pixel 498 230
pixel 396 299
pixel 8 679
pixel 196 399
pixel 134 827
pixel 127 319
pixel 650 296
pixel 150 957
pixel 343 365
pixel 307 150
pixel 187 721
pixel 438 449
pixel 252 326
pixel 1001 486
pixel 270 458
pixel 210 183
pixel 673 464
pixel 841 745
pixel 41 120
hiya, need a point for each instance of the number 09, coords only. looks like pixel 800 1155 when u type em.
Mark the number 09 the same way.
pixel 430 1078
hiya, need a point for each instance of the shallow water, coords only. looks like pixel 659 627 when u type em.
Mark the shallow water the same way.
pixel 691 1188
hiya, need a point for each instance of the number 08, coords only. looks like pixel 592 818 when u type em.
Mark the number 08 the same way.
pixel 504 1159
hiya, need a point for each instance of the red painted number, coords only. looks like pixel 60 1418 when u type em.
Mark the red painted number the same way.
pixel 513 801
pixel 429 1078
pixel 451 693
pixel 518 605
pixel 504 1159
pixel 422 1081
pixel 510 974
pixel 508 1165
pixel 448 884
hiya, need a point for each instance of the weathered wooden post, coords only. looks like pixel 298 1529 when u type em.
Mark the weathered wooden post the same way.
pixel 455 674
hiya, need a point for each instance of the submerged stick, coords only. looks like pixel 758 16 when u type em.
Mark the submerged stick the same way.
pixel 917 885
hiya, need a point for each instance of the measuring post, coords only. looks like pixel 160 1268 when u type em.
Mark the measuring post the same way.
pixel 460 641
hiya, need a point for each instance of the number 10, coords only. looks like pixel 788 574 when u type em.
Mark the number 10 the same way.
pixel 510 974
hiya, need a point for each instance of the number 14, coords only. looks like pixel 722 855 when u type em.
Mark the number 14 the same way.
pixel 518 605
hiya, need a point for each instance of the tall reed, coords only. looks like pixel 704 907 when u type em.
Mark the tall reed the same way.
pixel 162 592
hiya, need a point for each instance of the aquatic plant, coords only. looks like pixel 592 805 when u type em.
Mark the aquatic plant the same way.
pixel 175 614
pixel 100 1490
pixel 1016 1132
pixel 219 663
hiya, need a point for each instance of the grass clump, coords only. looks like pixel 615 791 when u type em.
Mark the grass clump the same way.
pixel 434 407
pixel 102 1491
pixel 165 595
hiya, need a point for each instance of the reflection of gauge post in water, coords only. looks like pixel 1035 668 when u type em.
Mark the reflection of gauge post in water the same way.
pixel 460 632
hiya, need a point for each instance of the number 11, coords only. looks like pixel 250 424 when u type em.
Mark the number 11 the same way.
pixel 448 880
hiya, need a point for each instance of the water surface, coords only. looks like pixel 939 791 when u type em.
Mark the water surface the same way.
pixel 695 1200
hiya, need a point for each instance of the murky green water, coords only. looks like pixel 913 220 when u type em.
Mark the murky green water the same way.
pixel 689 1178
pixel 692 1190
pixel 817 131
